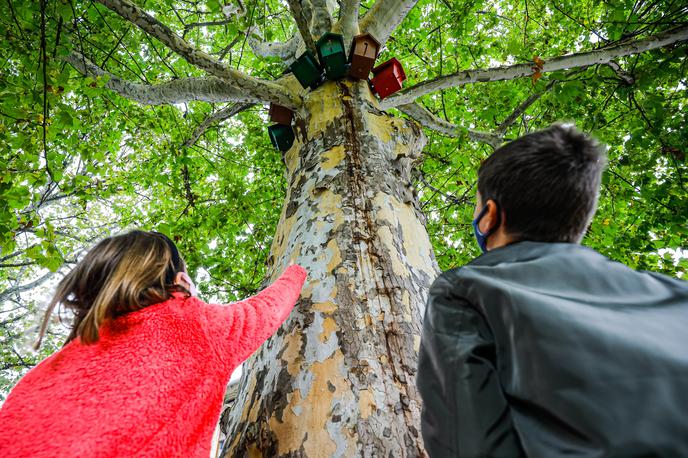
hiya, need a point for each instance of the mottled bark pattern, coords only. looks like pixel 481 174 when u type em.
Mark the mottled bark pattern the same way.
pixel 339 378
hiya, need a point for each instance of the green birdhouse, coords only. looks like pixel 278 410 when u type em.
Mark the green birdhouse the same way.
pixel 332 56
pixel 281 136
pixel 307 70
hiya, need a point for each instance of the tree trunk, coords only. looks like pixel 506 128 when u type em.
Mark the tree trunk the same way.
pixel 338 379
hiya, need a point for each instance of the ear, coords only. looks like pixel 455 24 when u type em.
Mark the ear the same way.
pixel 182 280
pixel 490 219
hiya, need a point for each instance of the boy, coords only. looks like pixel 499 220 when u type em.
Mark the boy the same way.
pixel 542 347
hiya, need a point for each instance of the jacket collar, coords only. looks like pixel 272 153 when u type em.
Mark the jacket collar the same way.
pixel 526 250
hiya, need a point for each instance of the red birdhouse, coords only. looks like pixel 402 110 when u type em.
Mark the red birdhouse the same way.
pixel 388 77
pixel 280 114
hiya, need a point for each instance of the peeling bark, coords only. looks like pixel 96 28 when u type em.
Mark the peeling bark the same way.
pixel 348 20
pixel 321 21
pixel 338 379
pixel 209 89
pixel 384 17
pixel 285 51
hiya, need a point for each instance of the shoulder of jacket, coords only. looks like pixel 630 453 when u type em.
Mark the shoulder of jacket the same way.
pixel 456 277
pixel 449 290
pixel 445 280
pixel 185 309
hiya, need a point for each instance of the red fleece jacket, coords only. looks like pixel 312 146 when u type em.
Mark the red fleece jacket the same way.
pixel 152 386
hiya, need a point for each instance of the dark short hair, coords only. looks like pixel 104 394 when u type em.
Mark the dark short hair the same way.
pixel 546 183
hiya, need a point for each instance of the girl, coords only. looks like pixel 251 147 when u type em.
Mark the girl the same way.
pixel 145 367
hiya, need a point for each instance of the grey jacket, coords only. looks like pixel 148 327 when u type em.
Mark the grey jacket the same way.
pixel 551 349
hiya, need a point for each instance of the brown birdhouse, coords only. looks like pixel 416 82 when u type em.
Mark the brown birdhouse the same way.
pixel 388 77
pixel 364 49
pixel 280 114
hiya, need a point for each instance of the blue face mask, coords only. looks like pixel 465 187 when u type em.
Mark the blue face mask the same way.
pixel 479 236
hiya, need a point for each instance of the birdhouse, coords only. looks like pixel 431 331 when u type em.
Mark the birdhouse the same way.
pixel 364 49
pixel 388 77
pixel 280 114
pixel 281 136
pixel 307 70
pixel 332 56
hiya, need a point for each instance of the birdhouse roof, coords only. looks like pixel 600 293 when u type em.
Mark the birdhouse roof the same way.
pixel 368 36
pixel 306 57
pixel 391 62
pixel 327 35
pixel 304 62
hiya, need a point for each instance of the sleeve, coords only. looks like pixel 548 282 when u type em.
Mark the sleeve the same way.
pixel 245 325
pixel 464 410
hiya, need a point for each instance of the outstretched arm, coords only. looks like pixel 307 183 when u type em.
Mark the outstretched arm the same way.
pixel 249 323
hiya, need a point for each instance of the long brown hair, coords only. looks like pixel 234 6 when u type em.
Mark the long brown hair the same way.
pixel 119 275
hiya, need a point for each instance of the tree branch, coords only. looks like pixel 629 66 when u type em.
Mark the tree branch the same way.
pixel 429 120
pixel 321 21
pixel 208 23
pixel 511 119
pixel 208 89
pixel 284 50
pixel 216 117
pixel 623 75
pixel 25 287
pixel 263 90
pixel 463 200
pixel 583 59
pixel 384 17
pixel 348 19
pixel 302 21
